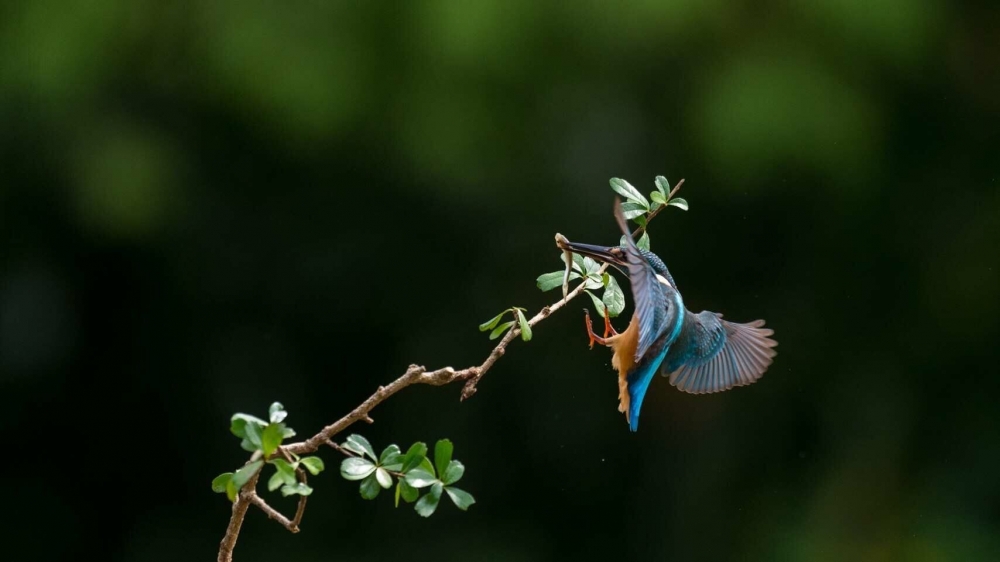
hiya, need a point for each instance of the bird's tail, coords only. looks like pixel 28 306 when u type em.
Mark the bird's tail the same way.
pixel 638 382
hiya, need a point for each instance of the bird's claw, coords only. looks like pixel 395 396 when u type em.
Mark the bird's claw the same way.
pixel 608 328
pixel 590 331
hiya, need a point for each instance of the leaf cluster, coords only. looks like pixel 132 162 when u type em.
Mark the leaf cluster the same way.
pixel 497 329
pixel 636 208
pixel 411 471
pixel 263 439
pixel 588 269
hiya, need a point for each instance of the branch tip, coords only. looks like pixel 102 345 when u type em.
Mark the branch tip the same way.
pixel 415 374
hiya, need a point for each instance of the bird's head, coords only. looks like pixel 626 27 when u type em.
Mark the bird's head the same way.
pixel 615 255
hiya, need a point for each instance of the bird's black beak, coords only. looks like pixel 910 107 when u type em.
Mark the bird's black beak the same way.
pixel 613 255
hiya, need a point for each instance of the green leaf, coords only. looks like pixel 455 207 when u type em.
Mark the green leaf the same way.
pixel 356 468
pixel 275 481
pixel 442 454
pixel 284 470
pixel 277 412
pixel 231 491
pixel 428 504
pixel 246 445
pixel 370 487
pixel 271 438
pixel 313 464
pixel 598 304
pixel 523 324
pixel 641 220
pixel 626 190
pixel 284 473
pixel 359 445
pixel 594 281
pixel 414 455
pixel 453 473
pixel 244 474
pixel 427 466
pixel 239 422
pixel 549 281
pixel 679 202
pixel 219 482
pixel 663 186
pixel 460 498
pixel 254 433
pixel 492 322
pixel 408 493
pixel 388 453
pixel 657 197
pixel 297 488
pixel 287 432
pixel 391 458
pixel 394 463
pixel 632 210
pixel 643 242
pixel 398 484
pixel 614 298
pixel 383 477
pixel 590 265
pixel 420 478
pixel 496 333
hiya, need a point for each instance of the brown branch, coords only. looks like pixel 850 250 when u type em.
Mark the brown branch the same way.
pixel 339 449
pixel 301 508
pixel 415 374
pixel 236 520
pixel 292 526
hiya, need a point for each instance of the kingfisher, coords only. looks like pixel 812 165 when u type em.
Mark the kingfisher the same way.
pixel 700 353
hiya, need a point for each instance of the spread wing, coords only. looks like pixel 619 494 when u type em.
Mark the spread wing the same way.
pixel 713 355
pixel 652 314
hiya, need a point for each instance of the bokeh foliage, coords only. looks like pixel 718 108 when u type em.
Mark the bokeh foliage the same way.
pixel 209 205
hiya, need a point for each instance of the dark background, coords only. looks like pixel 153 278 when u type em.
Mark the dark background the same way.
pixel 209 206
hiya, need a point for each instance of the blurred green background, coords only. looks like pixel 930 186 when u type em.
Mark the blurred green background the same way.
pixel 209 206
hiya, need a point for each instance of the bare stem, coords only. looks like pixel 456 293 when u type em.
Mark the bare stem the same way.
pixel 415 374
pixel 236 520
pixel 301 509
pixel 292 526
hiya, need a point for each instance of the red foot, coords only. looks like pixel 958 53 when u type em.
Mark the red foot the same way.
pixel 608 328
pixel 590 330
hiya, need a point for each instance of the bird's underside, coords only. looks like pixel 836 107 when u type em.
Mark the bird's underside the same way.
pixel 710 354
pixel 623 346
pixel 700 353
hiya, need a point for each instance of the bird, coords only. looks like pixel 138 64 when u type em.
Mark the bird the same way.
pixel 700 353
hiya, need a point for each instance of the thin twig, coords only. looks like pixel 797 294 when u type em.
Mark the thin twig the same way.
pixel 292 526
pixel 340 449
pixel 415 374
pixel 236 520
pixel 301 508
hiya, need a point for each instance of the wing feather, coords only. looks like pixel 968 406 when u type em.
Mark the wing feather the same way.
pixel 721 354
pixel 652 308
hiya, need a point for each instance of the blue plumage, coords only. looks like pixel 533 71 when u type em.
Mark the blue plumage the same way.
pixel 700 353
pixel 638 383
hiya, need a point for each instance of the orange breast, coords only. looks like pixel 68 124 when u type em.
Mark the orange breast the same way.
pixel 623 359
